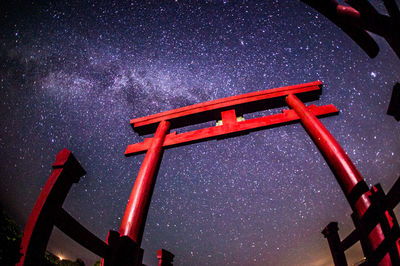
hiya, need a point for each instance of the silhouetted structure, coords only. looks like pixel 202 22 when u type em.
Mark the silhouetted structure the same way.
pixel 394 105
pixel 331 233
pixel 380 212
pixel 358 18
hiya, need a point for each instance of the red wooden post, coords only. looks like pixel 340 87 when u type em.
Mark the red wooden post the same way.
pixel 331 233
pixel 350 180
pixel 66 171
pixel 138 205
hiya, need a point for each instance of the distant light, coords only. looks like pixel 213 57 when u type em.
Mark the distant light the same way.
pixel 373 74
pixel 61 258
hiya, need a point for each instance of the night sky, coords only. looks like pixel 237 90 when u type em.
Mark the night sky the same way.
pixel 74 74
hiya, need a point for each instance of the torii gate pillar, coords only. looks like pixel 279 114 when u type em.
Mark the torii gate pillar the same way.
pixel 134 220
pixel 347 175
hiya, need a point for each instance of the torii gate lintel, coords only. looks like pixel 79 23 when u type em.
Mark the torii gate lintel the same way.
pixel 227 110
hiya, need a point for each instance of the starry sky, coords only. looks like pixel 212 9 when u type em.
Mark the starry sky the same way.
pixel 73 75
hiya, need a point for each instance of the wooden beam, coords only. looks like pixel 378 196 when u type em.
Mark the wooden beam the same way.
pixel 350 240
pixel 200 112
pixel 72 228
pixel 229 126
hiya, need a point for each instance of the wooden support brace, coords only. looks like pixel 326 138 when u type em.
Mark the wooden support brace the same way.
pixel 72 228
pixel 350 240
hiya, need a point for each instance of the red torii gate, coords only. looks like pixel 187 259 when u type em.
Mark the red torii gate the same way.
pixel 350 180
pixel 123 247
pixel 225 109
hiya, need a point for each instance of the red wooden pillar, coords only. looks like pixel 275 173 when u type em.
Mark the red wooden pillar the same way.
pixel 350 180
pixel 134 220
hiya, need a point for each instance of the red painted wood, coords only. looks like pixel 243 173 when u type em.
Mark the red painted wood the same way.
pixel 135 215
pixel 66 171
pixel 228 117
pixel 346 173
pixel 230 125
pixel 226 102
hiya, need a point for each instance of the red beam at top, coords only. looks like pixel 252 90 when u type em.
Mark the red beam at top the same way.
pixel 230 125
pixel 313 88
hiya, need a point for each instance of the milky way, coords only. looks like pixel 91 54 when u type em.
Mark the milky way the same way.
pixel 73 75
